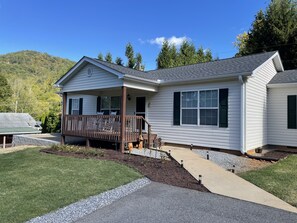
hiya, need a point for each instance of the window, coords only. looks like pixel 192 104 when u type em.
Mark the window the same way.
pixel 208 107
pixel 189 107
pixel 75 107
pixel 110 104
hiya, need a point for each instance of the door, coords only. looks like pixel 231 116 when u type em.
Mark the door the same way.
pixel 140 109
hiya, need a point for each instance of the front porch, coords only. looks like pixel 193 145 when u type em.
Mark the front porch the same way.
pixel 117 115
pixel 105 127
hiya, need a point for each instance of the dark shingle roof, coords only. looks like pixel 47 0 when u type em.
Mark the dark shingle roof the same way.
pixel 232 66
pixel 285 77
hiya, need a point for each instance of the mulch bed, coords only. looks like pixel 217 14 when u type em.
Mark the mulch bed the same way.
pixel 163 171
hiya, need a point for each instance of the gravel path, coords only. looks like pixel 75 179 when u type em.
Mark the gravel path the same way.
pixel 77 210
pixel 227 161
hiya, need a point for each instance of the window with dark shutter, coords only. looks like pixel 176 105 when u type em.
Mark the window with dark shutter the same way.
pixel 80 111
pixel 292 112
pixel 176 108
pixel 70 107
pixel 223 108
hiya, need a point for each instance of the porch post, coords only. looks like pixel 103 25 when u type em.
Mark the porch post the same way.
pixel 64 106
pixel 123 119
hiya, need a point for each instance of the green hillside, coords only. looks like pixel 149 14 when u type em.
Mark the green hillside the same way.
pixel 31 76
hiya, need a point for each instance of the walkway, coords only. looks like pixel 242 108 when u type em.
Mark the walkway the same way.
pixel 223 182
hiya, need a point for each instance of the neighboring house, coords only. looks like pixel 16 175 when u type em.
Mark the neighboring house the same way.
pixel 16 124
pixel 236 104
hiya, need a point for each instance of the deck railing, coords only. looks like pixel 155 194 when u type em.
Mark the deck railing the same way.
pixel 103 127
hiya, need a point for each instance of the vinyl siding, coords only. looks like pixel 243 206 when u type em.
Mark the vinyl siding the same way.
pixel 89 103
pixel 278 133
pixel 160 116
pixel 100 79
pixel 256 106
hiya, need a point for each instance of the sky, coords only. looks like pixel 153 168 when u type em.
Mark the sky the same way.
pixel 76 28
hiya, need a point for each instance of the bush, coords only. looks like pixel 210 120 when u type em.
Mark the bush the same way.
pixel 87 151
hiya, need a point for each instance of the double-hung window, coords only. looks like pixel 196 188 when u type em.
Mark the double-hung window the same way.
pixel 189 107
pixel 208 106
pixel 110 104
pixel 75 107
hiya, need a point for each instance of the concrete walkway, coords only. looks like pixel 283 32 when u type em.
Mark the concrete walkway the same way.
pixel 220 181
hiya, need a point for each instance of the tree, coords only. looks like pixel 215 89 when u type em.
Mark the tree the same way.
pixel 108 57
pixel 164 59
pixel 5 95
pixel 138 62
pixel 240 43
pixel 187 53
pixel 274 29
pixel 119 61
pixel 130 55
pixel 100 56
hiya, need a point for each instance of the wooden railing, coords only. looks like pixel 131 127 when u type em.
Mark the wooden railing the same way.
pixel 103 127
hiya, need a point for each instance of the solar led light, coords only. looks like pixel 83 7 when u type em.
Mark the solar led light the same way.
pixel 191 147
pixel 200 179
pixel 207 155
pixel 182 163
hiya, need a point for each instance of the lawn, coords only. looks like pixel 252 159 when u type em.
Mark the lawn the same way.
pixel 34 183
pixel 279 179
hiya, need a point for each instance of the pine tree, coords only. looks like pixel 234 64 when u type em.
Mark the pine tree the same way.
pixel 164 59
pixel 138 60
pixel 274 29
pixel 108 57
pixel 100 56
pixel 119 61
pixel 187 53
pixel 130 55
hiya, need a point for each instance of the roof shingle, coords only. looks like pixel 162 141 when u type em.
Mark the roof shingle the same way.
pixel 285 77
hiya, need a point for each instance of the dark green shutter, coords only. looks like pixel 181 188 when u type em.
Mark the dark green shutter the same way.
pixel 98 104
pixel 70 107
pixel 292 113
pixel 223 108
pixel 176 108
pixel 80 106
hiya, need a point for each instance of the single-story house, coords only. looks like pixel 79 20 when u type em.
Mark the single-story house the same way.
pixel 238 104
pixel 16 124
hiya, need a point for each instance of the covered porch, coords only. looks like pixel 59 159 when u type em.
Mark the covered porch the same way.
pixel 117 115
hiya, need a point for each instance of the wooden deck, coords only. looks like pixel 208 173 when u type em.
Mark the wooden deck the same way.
pixel 102 127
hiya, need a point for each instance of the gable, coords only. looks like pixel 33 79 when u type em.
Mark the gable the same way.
pixel 91 77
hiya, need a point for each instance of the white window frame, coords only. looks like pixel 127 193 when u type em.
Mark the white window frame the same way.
pixel 75 101
pixel 217 108
pixel 198 107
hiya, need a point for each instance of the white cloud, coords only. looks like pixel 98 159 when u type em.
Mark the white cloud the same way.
pixel 177 41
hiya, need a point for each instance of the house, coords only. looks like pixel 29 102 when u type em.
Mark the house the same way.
pixel 15 124
pixel 237 104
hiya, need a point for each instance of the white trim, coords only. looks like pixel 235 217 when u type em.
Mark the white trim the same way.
pixel 80 63
pixel 243 116
pixel 140 79
pixel 274 56
pixel 282 85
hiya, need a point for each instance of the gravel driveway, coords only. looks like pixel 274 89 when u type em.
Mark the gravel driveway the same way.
pixel 227 160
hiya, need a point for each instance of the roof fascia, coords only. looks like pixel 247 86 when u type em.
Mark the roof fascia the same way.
pixel 282 85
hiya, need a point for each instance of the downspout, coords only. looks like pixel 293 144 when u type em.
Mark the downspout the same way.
pixel 243 116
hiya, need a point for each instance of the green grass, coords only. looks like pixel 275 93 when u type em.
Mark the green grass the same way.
pixel 279 179
pixel 34 183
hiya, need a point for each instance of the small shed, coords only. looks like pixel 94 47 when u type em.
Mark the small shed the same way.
pixel 16 124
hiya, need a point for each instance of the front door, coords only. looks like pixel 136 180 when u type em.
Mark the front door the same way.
pixel 140 108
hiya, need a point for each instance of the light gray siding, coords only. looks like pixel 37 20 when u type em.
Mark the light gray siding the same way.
pixel 160 116
pixel 100 79
pixel 278 133
pixel 89 103
pixel 256 106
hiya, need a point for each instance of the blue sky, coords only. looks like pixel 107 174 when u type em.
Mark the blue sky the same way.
pixel 72 28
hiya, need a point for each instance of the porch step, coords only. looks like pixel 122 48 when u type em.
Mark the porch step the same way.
pixel 153 139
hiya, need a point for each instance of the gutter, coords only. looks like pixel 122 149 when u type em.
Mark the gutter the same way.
pixel 243 116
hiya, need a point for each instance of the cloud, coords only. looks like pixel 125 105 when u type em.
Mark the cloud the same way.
pixel 177 41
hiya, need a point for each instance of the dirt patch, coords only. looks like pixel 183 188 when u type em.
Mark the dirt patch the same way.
pixel 163 171
pixel 15 149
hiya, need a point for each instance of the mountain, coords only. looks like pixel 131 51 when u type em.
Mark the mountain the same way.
pixel 31 76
